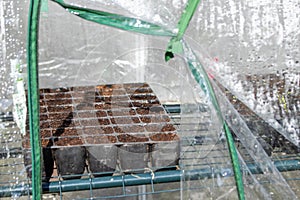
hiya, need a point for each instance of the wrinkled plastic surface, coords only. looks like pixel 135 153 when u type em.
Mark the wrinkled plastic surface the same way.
pixel 255 45
pixel 251 48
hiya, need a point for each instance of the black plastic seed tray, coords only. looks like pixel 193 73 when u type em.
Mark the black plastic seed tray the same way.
pixel 105 126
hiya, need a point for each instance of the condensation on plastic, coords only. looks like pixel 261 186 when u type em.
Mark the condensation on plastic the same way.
pixel 255 150
pixel 12 51
pixel 255 45
pixel 90 54
pixel 164 13
pixel 241 38
pixel 13 19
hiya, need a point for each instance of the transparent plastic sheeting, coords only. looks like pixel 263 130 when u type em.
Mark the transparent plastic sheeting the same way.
pixel 255 49
pixel 163 13
pixel 279 187
pixel 243 37
pixel 12 50
pixel 239 38
pixel 238 52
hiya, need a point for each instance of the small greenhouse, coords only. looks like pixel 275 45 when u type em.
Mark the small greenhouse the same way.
pixel 172 99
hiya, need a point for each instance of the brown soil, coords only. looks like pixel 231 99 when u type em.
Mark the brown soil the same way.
pixel 103 121
pixel 118 129
pixel 121 112
pixel 98 130
pixel 139 90
pixel 60 108
pixel 107 130
pixel 160 118
pixel 43 117
pixel 135 85
pixel 124 120
pixel 61 123
pixel 57 96
pixel 90 116
pixel 142 111
pixel 135 120
pixel 164 137
pixel 46 133
pixel 119 98
pixel 85 114
pixel 101 139
pixel 107 99
pixel 41 102
pixel 168 127
pixel 101 113
pixel 120 105
pixel 132 138
pixel 107 114
pixel 92 131
pixel 44 124
pixel 43 109
pixel 67 141
pixel 142 97
pixel 129 129
pixel 46 142
pixel 61 115
pixel 91 122
pixel 66 131
pixel 153 127
pixel 145 119
pixel 143 105
pixel 58 102
pixel 102 106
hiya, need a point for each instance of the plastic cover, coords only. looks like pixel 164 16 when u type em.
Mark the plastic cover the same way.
pixel 249 49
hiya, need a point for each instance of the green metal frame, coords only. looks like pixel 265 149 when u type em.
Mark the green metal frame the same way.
pixel 117 21
pixel 140 179
pixel 33 97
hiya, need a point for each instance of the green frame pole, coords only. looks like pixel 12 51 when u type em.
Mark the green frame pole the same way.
pixel 202 79
pixel 33 97
pixel 142 179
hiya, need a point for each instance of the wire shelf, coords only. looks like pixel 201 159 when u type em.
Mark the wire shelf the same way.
pixel 194 165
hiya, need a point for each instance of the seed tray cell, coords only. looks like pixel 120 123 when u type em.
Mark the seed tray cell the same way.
pixel 67 141
pixel 129 129
pixel 164 137
pixel 66 108
pixel 89 113
pixel 143 97
pixel 121 112
pixel 145 104
pixel 99 139
pixel 60 123
pixel 56 116
pixel 44 124
pixel 55 90
pixel 120 105
pixel 57 96
pixel 124 120
pixel 154 118
pixel 91 120
pixel 97 130
pixel 43 117
pixel 129 138
pixel 144 90
pixel 58 102
pixel 65 131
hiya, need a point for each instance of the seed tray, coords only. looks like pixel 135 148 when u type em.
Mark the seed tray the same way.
pixel 106 126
